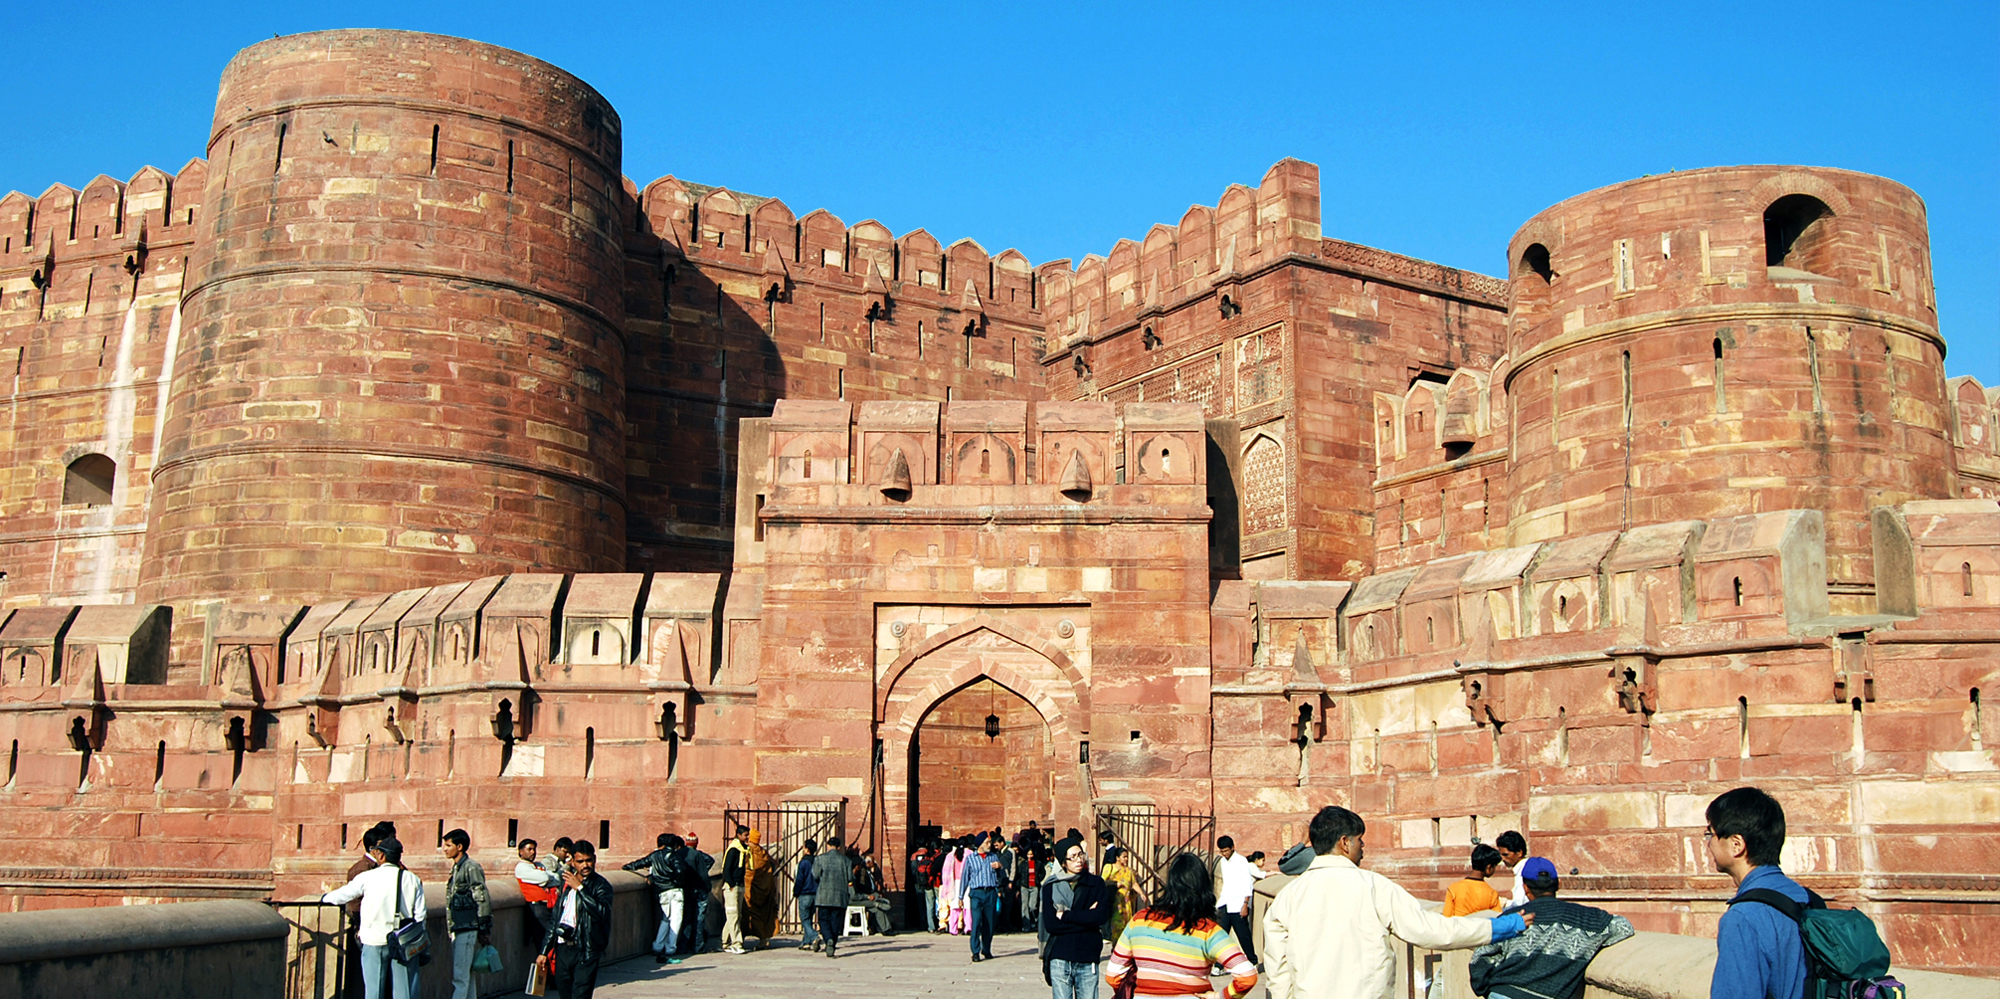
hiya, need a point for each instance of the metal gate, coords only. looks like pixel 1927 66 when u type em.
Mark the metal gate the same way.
pixel 1152 839
pixel 783 830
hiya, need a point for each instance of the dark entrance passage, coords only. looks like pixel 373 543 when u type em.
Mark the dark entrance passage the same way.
pixel 982 758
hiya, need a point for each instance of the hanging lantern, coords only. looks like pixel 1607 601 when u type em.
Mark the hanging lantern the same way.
pixel 993 726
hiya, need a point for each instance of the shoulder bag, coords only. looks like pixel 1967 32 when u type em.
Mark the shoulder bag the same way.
pixel 410 941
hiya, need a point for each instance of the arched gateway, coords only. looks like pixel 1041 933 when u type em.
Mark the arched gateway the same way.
pixel 958 661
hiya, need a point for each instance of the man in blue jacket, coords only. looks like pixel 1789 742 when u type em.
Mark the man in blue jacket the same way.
pixel 1758 952
pixel 804 887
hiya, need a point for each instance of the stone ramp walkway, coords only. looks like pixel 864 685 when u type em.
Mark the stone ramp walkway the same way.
pixel 906 964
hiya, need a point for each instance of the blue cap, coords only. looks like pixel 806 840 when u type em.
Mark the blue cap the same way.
pixel 1536 869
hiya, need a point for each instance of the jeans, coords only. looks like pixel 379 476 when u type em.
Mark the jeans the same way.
pixel 1074 979
pixel 1241 927
pixel 696 930
pixel 668 939
pixel 383 978
pixel 981 901
pixel 464 947
pixel 1031 908
pixel 806 915
pixel 930 910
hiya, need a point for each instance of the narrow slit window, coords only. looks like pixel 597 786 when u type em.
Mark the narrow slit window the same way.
pixel 1812 365
pixel 510 166
pixel 1721 399
pixel 434 149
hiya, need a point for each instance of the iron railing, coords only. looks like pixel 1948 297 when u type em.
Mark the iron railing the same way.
pixel 1152 839
pixel 783 830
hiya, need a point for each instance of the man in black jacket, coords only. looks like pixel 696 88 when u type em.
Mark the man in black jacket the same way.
pixel 701 895
pixel 583 924
pixel 833 873
pixel 666 870
pixel 1075 906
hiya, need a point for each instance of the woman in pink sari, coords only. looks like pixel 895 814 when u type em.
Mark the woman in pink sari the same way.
pixel 950 875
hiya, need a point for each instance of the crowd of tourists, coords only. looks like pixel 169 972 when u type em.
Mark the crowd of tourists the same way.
pixel 1329 932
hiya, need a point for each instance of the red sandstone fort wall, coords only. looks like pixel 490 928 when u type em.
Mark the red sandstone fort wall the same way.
pixel 409 284
pixel 1670 367
pixel 89 289
pixel 1483 586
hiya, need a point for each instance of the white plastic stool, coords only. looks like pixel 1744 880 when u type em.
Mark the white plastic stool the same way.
pixel 857 922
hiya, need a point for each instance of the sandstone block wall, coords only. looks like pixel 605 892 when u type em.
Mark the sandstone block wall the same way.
pixel 497 490
pixel 410 287
pixel 1705 341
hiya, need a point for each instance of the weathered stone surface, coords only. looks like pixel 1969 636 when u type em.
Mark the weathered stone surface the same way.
pixel 496 490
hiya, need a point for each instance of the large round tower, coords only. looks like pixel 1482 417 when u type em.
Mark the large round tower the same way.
pixel 401 360
pixel 1724 341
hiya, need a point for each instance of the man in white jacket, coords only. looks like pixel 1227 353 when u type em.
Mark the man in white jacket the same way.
pixel 1330 933
pixel 379 890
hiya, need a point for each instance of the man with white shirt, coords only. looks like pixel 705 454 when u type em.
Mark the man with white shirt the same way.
pixel 538 889
pixel 1235 879
pixel 1513 849
pixel 388 894
pixel 1331 933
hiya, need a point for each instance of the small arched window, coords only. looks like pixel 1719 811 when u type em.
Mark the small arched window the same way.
pixel 1794 233
pixel 809 464
pixel 1965 577
pixel 1535 260
pixel 88 481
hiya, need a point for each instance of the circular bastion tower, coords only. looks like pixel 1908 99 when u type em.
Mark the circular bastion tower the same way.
pixel 1727 341
pixel 401 355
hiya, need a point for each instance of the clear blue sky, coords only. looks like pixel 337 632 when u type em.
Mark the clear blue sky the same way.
pixel 1059 128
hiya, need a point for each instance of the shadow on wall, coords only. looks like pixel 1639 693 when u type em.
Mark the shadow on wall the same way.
pixel 697 361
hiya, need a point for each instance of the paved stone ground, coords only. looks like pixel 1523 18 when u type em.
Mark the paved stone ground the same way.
pixel 875 967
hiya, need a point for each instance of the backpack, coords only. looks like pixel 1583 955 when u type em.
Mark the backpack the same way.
pixel 1845 956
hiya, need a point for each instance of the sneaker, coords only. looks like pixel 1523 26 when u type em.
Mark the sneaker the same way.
pixel 976 958
pixel 659 958
pixel 675 960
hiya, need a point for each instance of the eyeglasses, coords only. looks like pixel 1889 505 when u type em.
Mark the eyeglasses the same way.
pixel 1708 835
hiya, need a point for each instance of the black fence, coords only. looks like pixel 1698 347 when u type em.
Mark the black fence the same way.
pixel 1152 839
pixel 782 830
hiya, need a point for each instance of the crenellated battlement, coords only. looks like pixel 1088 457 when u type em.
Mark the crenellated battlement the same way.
pixel 761 237
pixel 1975 436
pixel 498 490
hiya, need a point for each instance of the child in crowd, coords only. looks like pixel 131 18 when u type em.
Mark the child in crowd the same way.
pixel 1473 894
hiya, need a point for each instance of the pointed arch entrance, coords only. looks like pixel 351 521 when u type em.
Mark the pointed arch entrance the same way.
pixel 982 661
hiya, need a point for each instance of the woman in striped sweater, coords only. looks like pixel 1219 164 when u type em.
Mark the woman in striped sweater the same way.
pixel 1170 945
